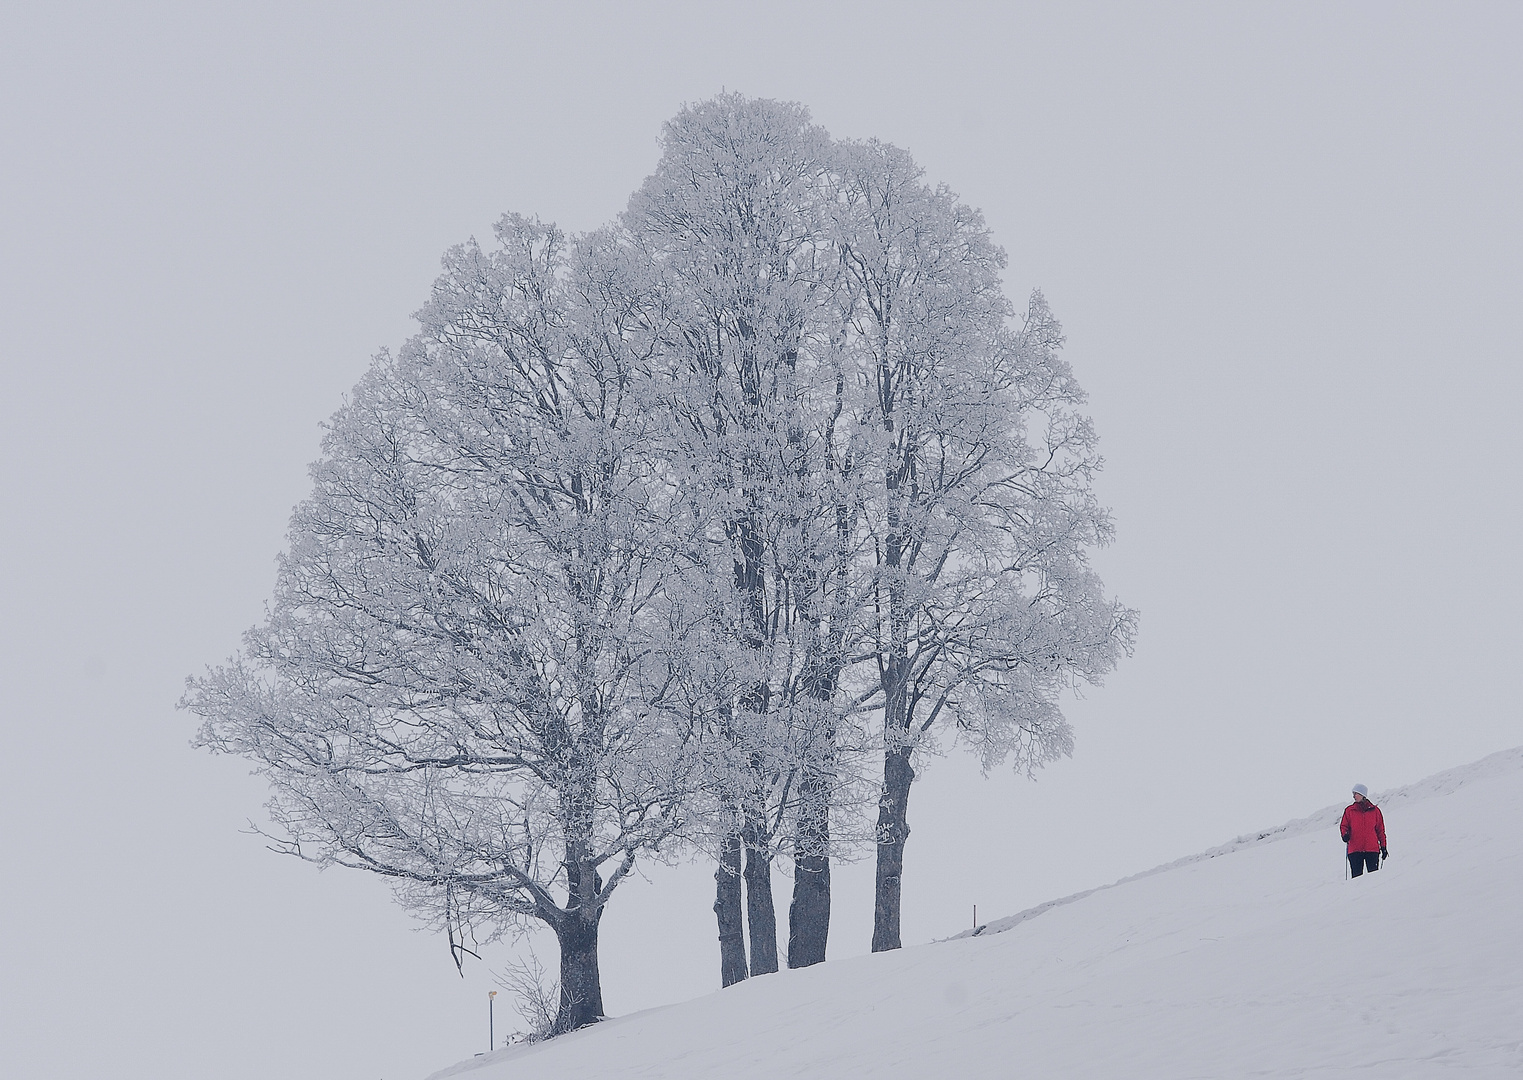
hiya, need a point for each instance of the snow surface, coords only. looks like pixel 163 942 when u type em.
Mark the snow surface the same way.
pixel 1256 958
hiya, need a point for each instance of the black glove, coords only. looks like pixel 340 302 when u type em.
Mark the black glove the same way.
pixel 1384 855
pixel 1345 838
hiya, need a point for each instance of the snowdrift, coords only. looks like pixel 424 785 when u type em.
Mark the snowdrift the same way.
pixel 1256 958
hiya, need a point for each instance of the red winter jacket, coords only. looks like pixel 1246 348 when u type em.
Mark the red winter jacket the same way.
pixel 1363 827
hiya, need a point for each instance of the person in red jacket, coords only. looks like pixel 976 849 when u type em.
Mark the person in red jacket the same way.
pixel 1364 831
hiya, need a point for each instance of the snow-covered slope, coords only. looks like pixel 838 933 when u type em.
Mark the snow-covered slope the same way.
pixel 1255 959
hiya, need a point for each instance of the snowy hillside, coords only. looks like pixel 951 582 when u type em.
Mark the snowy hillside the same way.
pixel 1255 959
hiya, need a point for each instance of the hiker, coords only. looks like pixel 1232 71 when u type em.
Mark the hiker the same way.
pixel 1364 831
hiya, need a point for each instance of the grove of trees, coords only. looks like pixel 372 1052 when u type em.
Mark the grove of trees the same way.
pixel 685 536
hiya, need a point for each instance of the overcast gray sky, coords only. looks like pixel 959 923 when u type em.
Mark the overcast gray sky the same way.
pixel 1286 241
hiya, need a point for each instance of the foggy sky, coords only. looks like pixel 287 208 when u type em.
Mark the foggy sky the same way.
pixel 1286 243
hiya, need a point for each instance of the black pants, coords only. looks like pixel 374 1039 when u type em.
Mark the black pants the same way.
pixel 1360 861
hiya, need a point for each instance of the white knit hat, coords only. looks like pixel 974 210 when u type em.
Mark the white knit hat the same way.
pixel 1360 789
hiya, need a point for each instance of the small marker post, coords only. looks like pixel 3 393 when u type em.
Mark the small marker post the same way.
pixel 975 916
pixel 491 1021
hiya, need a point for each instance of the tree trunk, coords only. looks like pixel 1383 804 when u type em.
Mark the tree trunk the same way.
pixel 732 941
pixel 893 830
pixel 581 987
pixel 809 914
pixel 761 917
pixel 576 927
pixel 760 913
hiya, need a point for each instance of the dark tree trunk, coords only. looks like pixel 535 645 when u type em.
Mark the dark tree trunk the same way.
pixel 761 918
pixel 732 941
pixel 893 830
pixel 894 798
pixel 760 913
pixel 809 914
pixel 581 987
pixel 576 931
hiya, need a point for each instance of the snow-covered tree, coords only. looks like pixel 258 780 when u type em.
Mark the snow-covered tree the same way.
pixel 632 541
pixel 731 225
pixel 460 684
pixel 979 503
